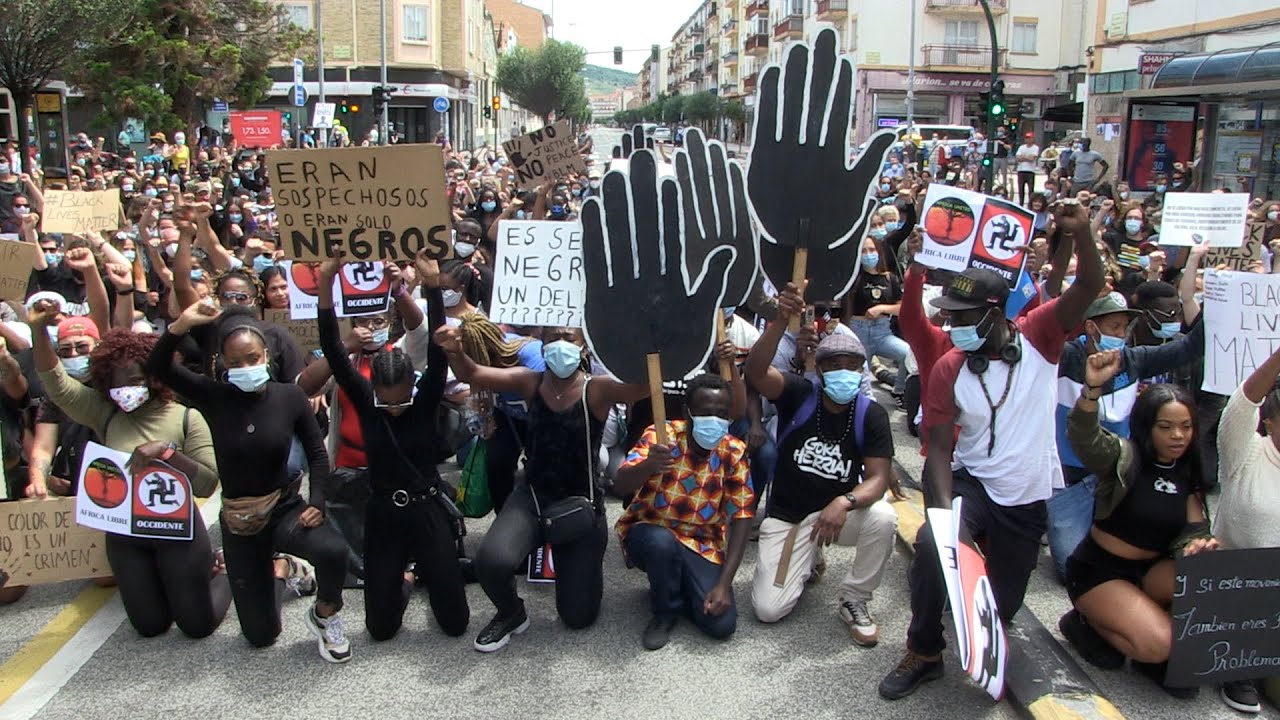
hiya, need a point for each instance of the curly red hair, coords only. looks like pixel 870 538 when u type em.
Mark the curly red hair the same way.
pixel 119 348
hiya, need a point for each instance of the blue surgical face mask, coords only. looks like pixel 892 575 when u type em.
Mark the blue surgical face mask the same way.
pixel 870 260
pixel 966 337
pixel 709 430
pixel 235 217
pixel 197 274
pixel 150 192
pixel 261 263
pixel 1133 226
pixel 1110 342
pixel 378 338
pixel 521 214
pixel 130 255
pixel 879 233
pixel 1144 261
pixel 892 226
pixel 841 385
pixel 235 181
pixel 54 259
pixel 1167 331
pixel 249 379
pixel 885 187
pixel 562 357
pixel 127 187
pixel 488 206
pixel 77 367
pixel 1161 188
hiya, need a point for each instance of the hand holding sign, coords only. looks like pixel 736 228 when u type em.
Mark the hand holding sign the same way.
pixel 800 180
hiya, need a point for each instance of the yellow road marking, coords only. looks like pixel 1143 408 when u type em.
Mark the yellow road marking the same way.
pixel 50 639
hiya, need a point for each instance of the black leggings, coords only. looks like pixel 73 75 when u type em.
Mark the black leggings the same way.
pixel 421 531
pixel 579 565
pixel 163 582
pixel 1026 186
pixel 251 568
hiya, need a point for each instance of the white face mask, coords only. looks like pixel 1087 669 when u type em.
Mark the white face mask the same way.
pixel 450 298
pixel 464 249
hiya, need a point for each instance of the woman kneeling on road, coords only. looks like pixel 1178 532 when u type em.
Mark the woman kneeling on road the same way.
pixel 162 582
pixel 1149 509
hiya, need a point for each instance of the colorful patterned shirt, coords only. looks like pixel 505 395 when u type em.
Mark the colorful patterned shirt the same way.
pixel 694 502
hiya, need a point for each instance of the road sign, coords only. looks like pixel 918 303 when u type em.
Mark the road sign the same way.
pixel 322 116
pixel 299 95
pixel 297 71
pixel 441 105
pixel 220 106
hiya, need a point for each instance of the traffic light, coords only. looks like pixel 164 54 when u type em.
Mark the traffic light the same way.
pixel 288 117
pixel 996 104
pixel 497 103
pixel 1014 122
pixel 381 97
pixel 653 52
pixel 344 107
pixel 355 107
pixel 488 113
pixel 617 54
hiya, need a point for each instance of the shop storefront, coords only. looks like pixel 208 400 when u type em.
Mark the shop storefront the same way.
pixel 1229 102
pixel 940 98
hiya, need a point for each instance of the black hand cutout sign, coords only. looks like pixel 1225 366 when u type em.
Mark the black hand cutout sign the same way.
pixel 804 193
pixel 713 198
pixel 632 142
pixel 637 301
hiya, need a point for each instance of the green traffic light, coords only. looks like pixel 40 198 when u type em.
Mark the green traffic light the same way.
pixel 997 109
pixel 986 162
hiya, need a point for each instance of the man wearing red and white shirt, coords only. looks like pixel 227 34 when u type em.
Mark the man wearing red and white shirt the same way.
pixel 998 386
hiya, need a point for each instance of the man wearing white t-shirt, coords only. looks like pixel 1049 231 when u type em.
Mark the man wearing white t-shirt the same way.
pixel 998 387
pixel 1027 156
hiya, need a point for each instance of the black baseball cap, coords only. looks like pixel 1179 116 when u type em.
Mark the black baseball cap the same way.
pixel 972 289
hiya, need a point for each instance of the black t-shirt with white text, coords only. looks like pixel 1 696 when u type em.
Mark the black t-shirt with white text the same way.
pixel 815 469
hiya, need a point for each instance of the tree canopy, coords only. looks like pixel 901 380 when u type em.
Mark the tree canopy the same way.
pixel 546 80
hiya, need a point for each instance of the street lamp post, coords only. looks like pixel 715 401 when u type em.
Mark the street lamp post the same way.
pixel 323 139
pixel 382 27
pixel 988 167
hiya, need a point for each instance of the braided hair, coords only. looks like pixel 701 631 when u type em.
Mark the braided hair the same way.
pixel 242 274
pixel 390 367
pixel 485 343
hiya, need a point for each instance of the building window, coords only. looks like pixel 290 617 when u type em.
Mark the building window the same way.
pixel 1024 38
pixel 299 15
pixel 417 20
pixel 962 32
pixel 1114 82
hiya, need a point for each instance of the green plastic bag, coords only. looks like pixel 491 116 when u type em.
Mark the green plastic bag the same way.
pixel 473 489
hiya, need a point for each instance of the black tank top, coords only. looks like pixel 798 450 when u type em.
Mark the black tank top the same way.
pixel 1154 511
pixel 558 460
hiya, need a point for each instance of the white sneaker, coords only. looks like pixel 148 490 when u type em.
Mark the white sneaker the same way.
pixel 330 635
pixel 862 627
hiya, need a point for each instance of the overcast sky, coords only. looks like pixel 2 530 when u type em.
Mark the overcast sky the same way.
pixel 601 24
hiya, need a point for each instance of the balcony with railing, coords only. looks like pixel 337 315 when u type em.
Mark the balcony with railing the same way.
pixel 711 12
pixel 998 7
pixel 832 10
pixel 757 8
pixel 967 56
pixel 749 83
pixel 757 45
pixel 730 57
pixel 791 28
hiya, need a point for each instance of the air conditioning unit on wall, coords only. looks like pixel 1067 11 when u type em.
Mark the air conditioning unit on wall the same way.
pixel 1031 107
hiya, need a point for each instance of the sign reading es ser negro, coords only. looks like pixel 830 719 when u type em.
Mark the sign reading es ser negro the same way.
pixel 378 203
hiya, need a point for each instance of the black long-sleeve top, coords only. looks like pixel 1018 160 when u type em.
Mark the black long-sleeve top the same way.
pixel 252 431
pixel 412 466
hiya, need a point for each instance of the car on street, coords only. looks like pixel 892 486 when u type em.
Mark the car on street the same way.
pixel 662 134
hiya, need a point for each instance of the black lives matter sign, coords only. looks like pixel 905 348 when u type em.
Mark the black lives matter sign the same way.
pixel 377 203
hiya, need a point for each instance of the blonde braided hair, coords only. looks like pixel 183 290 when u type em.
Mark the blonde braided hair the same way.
pixel 484 342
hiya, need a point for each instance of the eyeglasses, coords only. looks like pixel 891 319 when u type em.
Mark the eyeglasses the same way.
pixel 379 403
pixel 238 298
pixel 372 323
pixel 71 351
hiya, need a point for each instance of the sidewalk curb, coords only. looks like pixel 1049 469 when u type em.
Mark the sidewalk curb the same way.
pixel 1042 679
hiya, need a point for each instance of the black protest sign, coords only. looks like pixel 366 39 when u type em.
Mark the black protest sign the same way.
pixel 544 155
pixel 715 214
pixel 1226 617
pixel 805 193
pixel 637 302
pixel 377 203
pixel 632 142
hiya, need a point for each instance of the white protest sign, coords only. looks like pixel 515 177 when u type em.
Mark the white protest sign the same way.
pixel 1193 218
pixel 322 117
pixel 360 289
pixel 149 502
pixel 538 279
pixel 964 229
pixel 1242 326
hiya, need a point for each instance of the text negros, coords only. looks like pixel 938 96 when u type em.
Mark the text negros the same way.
pixel 367 244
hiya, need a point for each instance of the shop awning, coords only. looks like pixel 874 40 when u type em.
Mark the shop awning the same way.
pixel 1069 113
pixel 1238 71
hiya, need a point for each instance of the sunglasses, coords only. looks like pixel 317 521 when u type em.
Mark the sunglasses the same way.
pixel 83 348
pixel 378 403
pixel 231 296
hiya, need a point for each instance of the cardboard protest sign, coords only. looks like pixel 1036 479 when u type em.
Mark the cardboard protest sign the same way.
pixel 306 333
pixel 1241 326
pixel 1225 625
pixel 75 211
pixel 360 289
pixel 40 543
pixel 1195 218
pixel 16 259
pixel 149 502
pixel 811 204
pixel 544 155
pixel 538 279
pixel 964 229
pixel 980 637
pixel 378 203
pixel 1241 257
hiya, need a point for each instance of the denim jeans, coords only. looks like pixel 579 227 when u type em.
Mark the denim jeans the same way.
pixel 297 458
pixel 1070 517
pixel 878 338
pixel 762 458
pixel 679 578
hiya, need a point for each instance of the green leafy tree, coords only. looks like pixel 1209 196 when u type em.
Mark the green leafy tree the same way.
pixel 545 80
pixel 672 109
pixel 41 40
pixel 701 107
pixel 175 55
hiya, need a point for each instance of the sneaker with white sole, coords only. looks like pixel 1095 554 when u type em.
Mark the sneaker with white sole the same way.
pixel 862 627
pixel 498 632
pixel 331 636
pixel 1242 696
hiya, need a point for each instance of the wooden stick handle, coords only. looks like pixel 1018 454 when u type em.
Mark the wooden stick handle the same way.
pixel 656 398
pixel 726 365
pixel 799 267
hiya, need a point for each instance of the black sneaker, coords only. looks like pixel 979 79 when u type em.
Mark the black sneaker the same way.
pixel 912 671
pixel 498 632
pixel 1241 695
pixel 1157 671
pixel 657 632
pixel 1091 646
